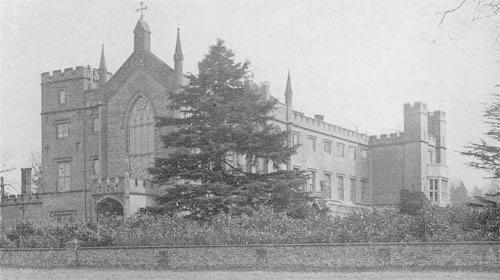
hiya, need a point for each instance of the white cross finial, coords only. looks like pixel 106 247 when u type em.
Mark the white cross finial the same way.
pixel 142 9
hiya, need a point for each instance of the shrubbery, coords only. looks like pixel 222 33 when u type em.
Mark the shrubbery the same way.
pixel 265 226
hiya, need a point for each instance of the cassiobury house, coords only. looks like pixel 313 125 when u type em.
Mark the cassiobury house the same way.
pixel 99 137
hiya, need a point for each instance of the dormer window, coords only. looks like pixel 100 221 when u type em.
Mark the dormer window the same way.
pixel 62 96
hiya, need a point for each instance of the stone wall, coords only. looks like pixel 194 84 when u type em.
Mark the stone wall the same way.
pixel 312 257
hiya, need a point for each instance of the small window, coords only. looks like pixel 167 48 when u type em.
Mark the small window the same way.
pixel 341 150
pixel 95 124
pixel 353 189
pixel 340 187
pixel 95 166
pixel 63 176
pixel 62 96
pixel 62 130
pixel 327 146
pixel 431 156
pixel 312 143
pixel 295 138
pixel 352 153
pixel 363 154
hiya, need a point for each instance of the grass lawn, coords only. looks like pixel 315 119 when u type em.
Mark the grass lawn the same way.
pixel 56 274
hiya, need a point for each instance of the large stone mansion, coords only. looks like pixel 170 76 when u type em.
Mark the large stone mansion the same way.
pixel 98 138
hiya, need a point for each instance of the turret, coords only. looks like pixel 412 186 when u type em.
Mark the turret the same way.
pixel 103 71
pixel 142 36
pixel 288 92
pixel 415 121
pixel 178 60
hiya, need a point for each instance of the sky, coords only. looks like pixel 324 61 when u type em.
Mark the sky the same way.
pixel 356 62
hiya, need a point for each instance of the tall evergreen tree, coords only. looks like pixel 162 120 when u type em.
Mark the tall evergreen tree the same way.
pixel 487 157
pixel 222 117
pixel 487 154
pixel 458 194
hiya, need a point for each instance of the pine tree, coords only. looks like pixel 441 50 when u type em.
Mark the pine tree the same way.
pixel 487 154
pixel 487 157
pixel 222 117
pixel 458 194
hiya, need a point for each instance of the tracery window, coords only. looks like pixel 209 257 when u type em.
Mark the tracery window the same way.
pixel 141 138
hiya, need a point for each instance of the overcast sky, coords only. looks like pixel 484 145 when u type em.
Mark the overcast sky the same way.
pixel 356 62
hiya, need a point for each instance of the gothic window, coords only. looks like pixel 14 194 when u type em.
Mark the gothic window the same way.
pixel 95 124
pixel 62 96
pixel 340 190
pixel 327 146
pixel 353 189
pixel 62 130
pixel 141 138
pixel 63 176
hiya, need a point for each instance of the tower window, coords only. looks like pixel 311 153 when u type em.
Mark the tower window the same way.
pixel 62 130
pixel 63 176
pixel 95 166
pixel 295 138
pixel 95 124
pixel 62 96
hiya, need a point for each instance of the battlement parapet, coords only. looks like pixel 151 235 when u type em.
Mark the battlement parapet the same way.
pixel 415 107
pixel 383 139
pixel 319 124
pixel 27 198
pixel 121 184
pixel 438 115
pixel 79 72
pixel 109 185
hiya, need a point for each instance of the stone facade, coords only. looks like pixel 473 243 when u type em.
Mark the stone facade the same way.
pixel 97 141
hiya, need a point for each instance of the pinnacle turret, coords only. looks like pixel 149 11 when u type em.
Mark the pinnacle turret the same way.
pixel 178 49
pixel 102 64
pixel 288 89
pixel 178 60
pixel 288 92
pixel 102 71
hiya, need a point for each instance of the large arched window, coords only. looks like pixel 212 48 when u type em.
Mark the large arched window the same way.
pixel 141 138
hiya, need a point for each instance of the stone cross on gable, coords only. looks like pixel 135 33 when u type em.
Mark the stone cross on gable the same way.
pixel 142 9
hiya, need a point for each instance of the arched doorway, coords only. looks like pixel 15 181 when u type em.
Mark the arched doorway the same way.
pixel 108 207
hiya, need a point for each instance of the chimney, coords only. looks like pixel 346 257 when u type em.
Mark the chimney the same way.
pixel 25 180
pixel 264 90
pixel 319 117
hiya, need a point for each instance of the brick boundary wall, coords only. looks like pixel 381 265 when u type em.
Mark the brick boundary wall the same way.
pixel 484 256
